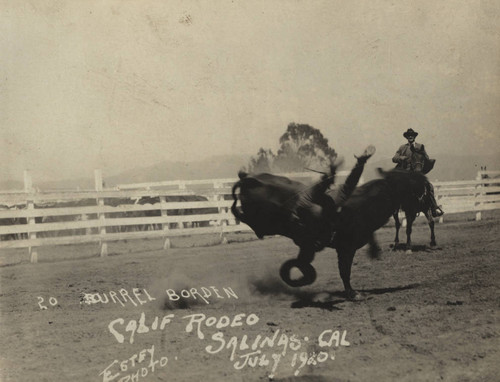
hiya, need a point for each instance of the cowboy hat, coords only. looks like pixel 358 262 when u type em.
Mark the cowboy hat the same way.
pixel 410 133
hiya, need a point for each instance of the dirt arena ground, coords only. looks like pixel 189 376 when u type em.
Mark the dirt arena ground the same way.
pixel 432 315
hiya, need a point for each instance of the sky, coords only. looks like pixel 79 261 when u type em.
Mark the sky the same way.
pixel 122 84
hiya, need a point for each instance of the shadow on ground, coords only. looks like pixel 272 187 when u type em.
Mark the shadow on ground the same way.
pixel 329 300
pixel 414 248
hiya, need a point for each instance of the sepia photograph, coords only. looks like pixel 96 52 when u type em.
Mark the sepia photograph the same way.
pixel 281 190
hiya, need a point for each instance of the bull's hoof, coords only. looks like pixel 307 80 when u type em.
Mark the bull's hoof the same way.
pixel 433 244
pixel 352 295
pixel 307 270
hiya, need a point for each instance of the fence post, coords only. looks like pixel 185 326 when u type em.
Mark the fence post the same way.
pixel 30 205
pixel 478 194
pixel 221 210
pixel 182 186
pixel 100 202
pixel 164 226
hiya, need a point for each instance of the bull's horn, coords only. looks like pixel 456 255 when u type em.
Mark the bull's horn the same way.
pixel 310 169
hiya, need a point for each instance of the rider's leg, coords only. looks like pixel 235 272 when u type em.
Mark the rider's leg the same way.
pixel 352 180
pixel 436 210
pixel 308 228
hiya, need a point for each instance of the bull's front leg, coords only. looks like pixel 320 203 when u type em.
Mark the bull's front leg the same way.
pixel 345 258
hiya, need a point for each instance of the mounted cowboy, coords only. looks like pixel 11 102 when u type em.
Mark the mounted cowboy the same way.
pixel 413 157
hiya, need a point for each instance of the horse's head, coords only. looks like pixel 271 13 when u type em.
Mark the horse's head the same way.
pixel 406 184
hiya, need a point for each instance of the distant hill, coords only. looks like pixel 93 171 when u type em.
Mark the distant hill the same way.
pixel 448 167
pixel 11 185
pixel 453 167
pixel 221 166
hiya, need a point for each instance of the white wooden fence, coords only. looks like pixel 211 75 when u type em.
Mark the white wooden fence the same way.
pixel 54 218
pixel 477 195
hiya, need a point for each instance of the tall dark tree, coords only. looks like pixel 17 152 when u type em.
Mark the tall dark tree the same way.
pixel 303 146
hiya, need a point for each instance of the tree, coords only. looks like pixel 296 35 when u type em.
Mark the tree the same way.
pixel 303 146
pixel 263 162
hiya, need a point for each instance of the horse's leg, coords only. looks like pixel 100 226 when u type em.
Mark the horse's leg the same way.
pixel 410 218
pixel 398 226
pixel 345 257
pixel 430 221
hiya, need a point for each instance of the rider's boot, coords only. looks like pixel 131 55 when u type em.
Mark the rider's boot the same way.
pixel 369 151
pixel 437 211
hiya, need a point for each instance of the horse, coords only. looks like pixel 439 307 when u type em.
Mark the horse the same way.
pixel 412 205
pixel 368 208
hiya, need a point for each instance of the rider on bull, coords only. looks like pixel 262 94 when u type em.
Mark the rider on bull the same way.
pixel 413 157
pixel 317 209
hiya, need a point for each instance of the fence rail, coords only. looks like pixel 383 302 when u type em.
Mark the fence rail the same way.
pixel 32 219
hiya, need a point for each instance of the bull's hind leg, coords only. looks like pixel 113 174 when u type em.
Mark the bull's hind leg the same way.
pixel 345 258
pixel 430 221
pixel 303 264
pixel 374 249
pixel 306 254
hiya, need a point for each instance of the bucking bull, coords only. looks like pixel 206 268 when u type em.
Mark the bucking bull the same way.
pixel 317 217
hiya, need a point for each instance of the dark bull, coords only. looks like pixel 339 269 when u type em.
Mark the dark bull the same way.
pixel 276 205
pixel 269 205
